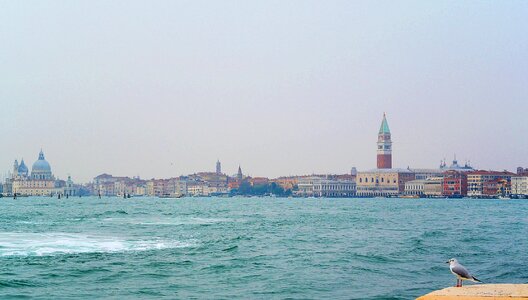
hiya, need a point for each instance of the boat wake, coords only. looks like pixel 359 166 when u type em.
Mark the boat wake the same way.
pixel 44 244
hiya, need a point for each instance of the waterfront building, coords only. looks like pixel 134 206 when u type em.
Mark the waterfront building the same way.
pixel 195 189
pixel 141 190
pixel 384 153
pixel 382 182
pixel 7 187
pixel 40 182
pixel 315 186
pixel 207 183
pixel 422 174
pixel 519 186
pixel 69 188
pixel 415 187
pixel 104 185
pixel 176 187
pixel 233 185
pixel 156 187
pixel 485 184
pixel 108 185
pixel 455 184
pixel 433 187
pixel 215 190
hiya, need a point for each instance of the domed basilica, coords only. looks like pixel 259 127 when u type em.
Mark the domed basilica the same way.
pixel 40 182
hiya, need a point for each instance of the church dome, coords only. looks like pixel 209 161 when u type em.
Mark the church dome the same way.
pixel 22 168
pixel 41 165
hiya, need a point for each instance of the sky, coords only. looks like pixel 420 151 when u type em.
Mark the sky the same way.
pixel 164 88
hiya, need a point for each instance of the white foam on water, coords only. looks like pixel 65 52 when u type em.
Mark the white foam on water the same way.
pixel 43 244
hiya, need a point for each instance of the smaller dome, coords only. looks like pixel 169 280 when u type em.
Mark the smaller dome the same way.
pixel 22 168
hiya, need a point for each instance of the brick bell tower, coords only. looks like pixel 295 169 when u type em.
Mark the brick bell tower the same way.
pixel 384 145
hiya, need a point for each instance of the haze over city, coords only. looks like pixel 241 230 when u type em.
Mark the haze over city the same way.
pixel 165 88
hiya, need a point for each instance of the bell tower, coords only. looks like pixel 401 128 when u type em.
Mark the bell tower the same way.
pixel 384 145
pixel 218 167
pixel 15 169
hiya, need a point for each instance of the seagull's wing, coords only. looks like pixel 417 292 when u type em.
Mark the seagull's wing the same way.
pixel 461 271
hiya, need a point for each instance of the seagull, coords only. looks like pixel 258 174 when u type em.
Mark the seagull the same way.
pixel 460 272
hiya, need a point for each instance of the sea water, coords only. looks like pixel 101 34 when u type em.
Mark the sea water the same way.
pixel 254 248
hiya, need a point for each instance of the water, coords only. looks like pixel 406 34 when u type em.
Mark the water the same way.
pixel 256 248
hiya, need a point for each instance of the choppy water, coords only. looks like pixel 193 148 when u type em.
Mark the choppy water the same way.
pixel 257 248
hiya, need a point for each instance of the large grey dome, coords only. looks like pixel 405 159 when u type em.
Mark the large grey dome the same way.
pixel 41 168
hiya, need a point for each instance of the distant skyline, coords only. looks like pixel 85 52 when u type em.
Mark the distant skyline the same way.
pixel 165 88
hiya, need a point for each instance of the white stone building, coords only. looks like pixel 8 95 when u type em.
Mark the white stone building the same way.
pixel 315 186
pixel 519 186
pixel 415 188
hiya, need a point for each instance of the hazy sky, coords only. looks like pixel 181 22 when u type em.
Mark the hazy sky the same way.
pixel 164 88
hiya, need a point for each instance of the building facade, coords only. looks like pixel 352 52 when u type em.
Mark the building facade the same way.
pixel 40 182
pixel 519 186
pixel 315 186
pixel 415 188
pixel 382 182
pixel 489 184
pixel 433 187
pixel 455 184
pixel 108 185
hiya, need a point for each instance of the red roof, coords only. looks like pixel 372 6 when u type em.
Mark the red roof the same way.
pixel 497 173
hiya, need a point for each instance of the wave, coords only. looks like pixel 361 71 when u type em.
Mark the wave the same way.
pixel 44 244
pixel 170 221
pixel 110 213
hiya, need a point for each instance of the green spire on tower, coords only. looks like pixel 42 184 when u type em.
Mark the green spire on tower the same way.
pixel 384 129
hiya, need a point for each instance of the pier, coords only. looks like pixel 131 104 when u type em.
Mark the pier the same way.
pixel 480 292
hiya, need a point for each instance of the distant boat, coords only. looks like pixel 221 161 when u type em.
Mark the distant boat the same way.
pixel 410 197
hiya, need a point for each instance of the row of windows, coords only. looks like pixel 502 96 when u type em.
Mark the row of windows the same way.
pixel 415 187
pixel 377 180
pixel 334 187
pixel 368 188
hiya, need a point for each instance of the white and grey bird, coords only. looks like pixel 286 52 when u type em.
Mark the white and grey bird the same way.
pixel 460 272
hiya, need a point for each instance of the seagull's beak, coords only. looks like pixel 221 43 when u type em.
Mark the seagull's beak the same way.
pixel 447 262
